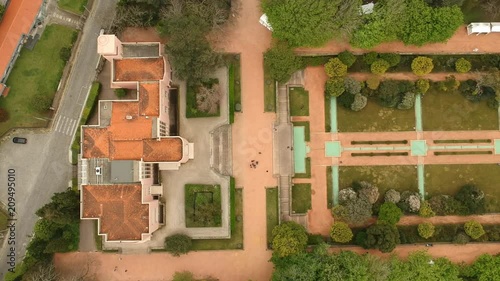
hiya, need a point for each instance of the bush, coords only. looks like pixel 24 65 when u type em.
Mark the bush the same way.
pixel 373 82
pixel 422 65
pixel 281 62
pixel 379 66
pixel 426 230
pixel 65 53
pixel 474 229
pixel 410 202
pixel 472 198
pixel 341 232
pixel 370 57
pixel 426 210
pixel 359 102
pixel 461 238
pixel 422 86
pixel 289 238
pixel 334 87
pixel 382 236
pixel 335 68
pixel 4 115
pixel 389 213
pixel 462 65
pixel 178 244
pixel 352 86
pixel 451 83
pixel 392 196
pixel 347 58
pixel 391 58
pixel 120 93
pixel 407 101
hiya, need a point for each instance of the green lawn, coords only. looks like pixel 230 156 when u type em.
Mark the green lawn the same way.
pixel 329 187
pixel 269 93
pixel 36 74
pixel 400 178
pixel 299 101
pixel 3 219
pixel 451 111
pixel 236 240
pixel 202 205
pixel 73 6
pixel 447 179
pixel 307 130
pixel 307 174
pixel 301 198
pixel 272 212
pixel 192 110
pixel 375 118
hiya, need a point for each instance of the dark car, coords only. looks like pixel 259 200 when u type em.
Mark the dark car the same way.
pixel 20 140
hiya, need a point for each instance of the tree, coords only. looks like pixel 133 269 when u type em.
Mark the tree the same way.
pixel 410 202
pixel 341 232
pixel 41 271
pixel 422 266
pixel 474 229
pixel 347 194
pixel 392 58
pixel 178 244
pixel 422 65
pixel 368 191
pixel 359 103
pixel 347 58
pixel 485 268
pixel 46 229
pixel 281 62
pixel 348 18
pixel 462 65
pixel 373 82
pixel 472 198
pixel 64 208
pixel 392 196
pixel 370 57
pixel 352 86
pixel 382 236
pixel 334 87
pixel 302 22
pixel 4 115
pixel 355 212
pixel 379 66
pixel 335 68
pixel 389 213
pixel 120 93
pixel 289 238
pixel 426 210
pixel 426 230
pixel 422 86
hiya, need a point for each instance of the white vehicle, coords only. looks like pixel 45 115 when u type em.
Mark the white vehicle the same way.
pixel 98 171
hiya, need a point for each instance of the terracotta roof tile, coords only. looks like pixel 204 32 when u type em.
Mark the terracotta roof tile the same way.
pixel 95 142
pixel 127 124
pixel 164 150
pixel 149 99
pixel 139 69
pixel 126 150
pixel 123 216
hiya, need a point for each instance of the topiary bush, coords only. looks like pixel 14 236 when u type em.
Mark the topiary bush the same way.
pixel 359 102
pixel 462 65
pixel 426 230
pixel 379 66
pixel 474 229
pixel 389 213
pixel 120 93
pixel 335 68
pixel 347 58
pixel 340 232
pixel 426 210
pixel 391 58
pixel 178 244
pixel 422 65
pixel 370 57
pixel 373 82
pixel 334 87
pixel 422 86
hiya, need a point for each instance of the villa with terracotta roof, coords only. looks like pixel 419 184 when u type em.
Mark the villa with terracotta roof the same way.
pixel 122 156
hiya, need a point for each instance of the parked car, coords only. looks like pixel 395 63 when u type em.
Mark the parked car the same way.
pixel 19 140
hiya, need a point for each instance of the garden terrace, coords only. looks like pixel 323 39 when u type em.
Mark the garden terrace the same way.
pixel 202 205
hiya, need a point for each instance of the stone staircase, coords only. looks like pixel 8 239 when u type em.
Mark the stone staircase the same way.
pixel 221 152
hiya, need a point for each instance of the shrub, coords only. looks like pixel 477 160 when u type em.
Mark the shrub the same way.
pixel 389 213
pixel 461 239
pixel 410 202
pixel 370 57
pixel 474 229
pixel 341 232
pixel 65 53
pixel 4 115
pixel 359 103
pixel 367 191
pixel 426 210
pixel 373 82
pixel 422 86
pixel 335 68
pixel 462 65
pixel 347 194
pixel 426 230
pixel 379 66
pixel 472 198
pixel 407 101
pixel 392 196
pixel 178 244
pixel 382 236
pixel 281 62
pixel 391 58
pixel 334 87
pixel 422 65
pixel 451 83
pixel 120 93
pixel 352 86
pixel 289 238
pixel 347 58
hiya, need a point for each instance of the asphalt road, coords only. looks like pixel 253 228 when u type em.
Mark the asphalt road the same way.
pixel 42 165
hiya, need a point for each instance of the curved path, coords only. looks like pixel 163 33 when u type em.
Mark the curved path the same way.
pixel 252 133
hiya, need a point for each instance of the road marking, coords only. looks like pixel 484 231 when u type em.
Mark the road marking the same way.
pixel 65 125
